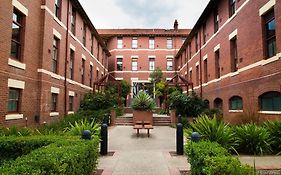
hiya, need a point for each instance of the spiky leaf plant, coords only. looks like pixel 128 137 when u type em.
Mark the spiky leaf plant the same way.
pixel 143 102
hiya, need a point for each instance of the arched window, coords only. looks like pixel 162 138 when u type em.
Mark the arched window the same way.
pixel 218 103
pixel 235 103
pixel 270 101
pixel 207 103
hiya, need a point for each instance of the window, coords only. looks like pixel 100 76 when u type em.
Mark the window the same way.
pixel 92 44
pixel 14 100
pixel 233 56
pixel 218 104
pixel 134 64
pixel 232 7
pixel 91 76
pixel 58 9
pixel 169 64
pixel 17 35
pixel 270 34
pixel 183 39
pixel 54 101
pixel 189 53
pixel 197 75
pixel 97 77
pixel 73 20
pixel 119 64
pixel 216 20
pixel 169 43
pixel 235 103
pixel 71 64
pixel 151 43
pixel 204 33
pixel 190 75
pixel 151 64
pixel 84 33
pixel 205 70
pixel 70 103
pixel 83 71
pixel 217 64
pixel 134 42
pixel 270 101
pixel 119 42
pixel 196 42
pixel 55 55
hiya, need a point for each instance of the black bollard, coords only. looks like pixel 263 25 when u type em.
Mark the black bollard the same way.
pixel 104 139
pixel 179 139
pixel 86 134
pixel 179 118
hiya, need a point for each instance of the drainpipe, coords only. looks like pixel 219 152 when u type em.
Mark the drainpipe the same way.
pixel 66 61
pixel 200 65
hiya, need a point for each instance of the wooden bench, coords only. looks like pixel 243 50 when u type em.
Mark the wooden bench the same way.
pixel 143 125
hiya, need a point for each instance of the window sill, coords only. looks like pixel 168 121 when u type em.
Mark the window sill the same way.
pixel 16 64
pixel 235 111
pixel 70 112
pixel 13 116
pixel 52 114
pixel 270 112
pixel 55 76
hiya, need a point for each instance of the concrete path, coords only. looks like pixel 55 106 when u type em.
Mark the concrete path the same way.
pixel 142 155
pixel 262 162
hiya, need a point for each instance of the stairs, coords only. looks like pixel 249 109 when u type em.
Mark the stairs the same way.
pixel 157 121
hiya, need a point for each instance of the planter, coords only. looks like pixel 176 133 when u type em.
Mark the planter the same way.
pixel 142 116
pixel 173 116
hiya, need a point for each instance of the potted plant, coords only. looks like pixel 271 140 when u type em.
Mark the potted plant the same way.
pixel 142 106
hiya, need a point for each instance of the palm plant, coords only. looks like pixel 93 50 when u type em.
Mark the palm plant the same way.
pixel 143 102
pixel 78 127
pixel 274 128
pixel 253 139
pixel 214 130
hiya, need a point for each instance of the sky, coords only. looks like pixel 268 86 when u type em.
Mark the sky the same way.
pixel 118 14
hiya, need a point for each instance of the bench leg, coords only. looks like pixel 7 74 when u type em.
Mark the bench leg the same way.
pixel 138 132
pixel 148 132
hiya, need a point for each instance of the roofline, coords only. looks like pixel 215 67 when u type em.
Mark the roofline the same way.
pixel 209 9
pixel 90 24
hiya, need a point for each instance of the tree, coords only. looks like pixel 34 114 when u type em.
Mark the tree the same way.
pixel 156 76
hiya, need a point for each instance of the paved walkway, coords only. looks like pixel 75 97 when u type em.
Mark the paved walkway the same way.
pixel 262 162
pixel 142 155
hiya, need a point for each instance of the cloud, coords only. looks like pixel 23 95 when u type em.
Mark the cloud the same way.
pixel 143 13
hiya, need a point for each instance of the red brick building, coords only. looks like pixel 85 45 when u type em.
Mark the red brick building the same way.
pixel 232 56
pixel 135 53
pixel 49 59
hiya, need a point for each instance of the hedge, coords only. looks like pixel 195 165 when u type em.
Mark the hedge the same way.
pixel 55 155
pixel 209 158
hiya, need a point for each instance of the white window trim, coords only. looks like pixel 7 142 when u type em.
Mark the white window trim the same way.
pixel 267 7
pixel 170 56
pixel 205 57
pixel 190 69
pixel 53 114
pixel 57 34
pixel 118 78
pixel 151 56
pixel 71 93
pixel 235 111
pixel 20 7
pixel 233 34
pixel 70 112
pixel 83 56
pixel 72 47
pixel 135 56
pixel 217 47
pixel 197 63
pixel 270 112
pixel 91 63
pixel 13 116
pixel 119 56
pixel 16 64
pixel 55 90
pixel 16 84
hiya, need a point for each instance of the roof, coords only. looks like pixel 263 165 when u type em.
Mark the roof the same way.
pixel 207 11
pixel 84 15
pixel 143 32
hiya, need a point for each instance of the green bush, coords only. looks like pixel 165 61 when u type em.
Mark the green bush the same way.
pixel 119 111
pixel 252 139
pixel 98 101
pixel 143 102
pixel 274 128
pixel 215 131
pixel 226 165
pixel 14 131
pixel 63 156
pixel 209 158
pixel 78 127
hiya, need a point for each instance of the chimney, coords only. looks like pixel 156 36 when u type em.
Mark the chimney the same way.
pixel 176 25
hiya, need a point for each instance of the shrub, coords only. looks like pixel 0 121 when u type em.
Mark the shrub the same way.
pixel 14 131
pixel 274 128
pixel 209 158
pixel 63 156
pixel 98 101
pixel 252 139
pixel 215 131
pixel 119 111
pixel 143 102
pixel 78 127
